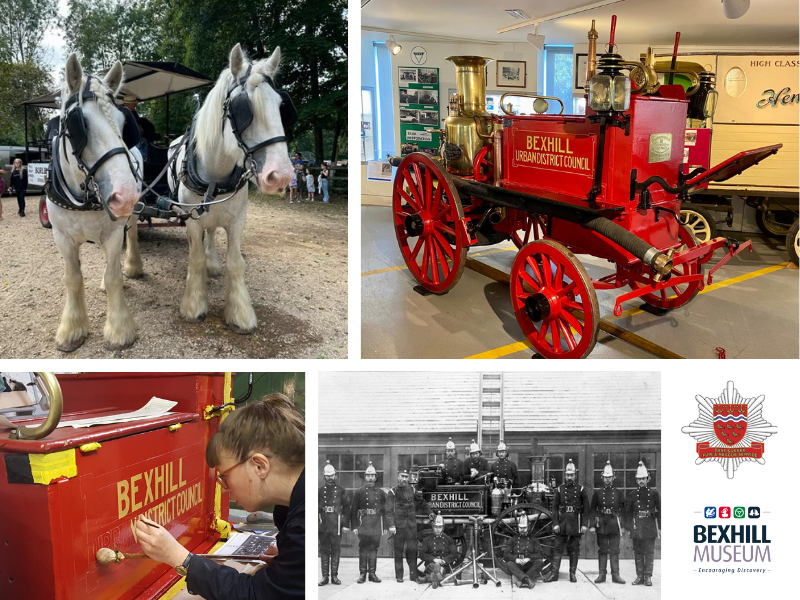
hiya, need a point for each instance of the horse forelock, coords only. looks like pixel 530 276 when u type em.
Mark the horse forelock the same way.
pixel 208 118
pixel 102 94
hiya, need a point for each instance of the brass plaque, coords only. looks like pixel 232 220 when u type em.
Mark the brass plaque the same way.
pixel 660 147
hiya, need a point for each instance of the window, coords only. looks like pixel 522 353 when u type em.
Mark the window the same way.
pixel 367 125
pixel 411 461
pixel 625 465
pixel 557 462
pixel 558 76
pixel 350 468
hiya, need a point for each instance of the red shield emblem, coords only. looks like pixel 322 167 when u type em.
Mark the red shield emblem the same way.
pixel 730 423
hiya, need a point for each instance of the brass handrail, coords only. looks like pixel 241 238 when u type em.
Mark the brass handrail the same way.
pixel 526 95
pixel 47 384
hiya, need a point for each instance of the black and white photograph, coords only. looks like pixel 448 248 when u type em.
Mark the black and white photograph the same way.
pixel 579 69
pixel 510 479
pixel 408 148
pixel 429 97
pixel 408 75
pixel 409 115
pixel 428 76
pixel 511 73
pixel 409 96
pixel 430 151
pixel 429 117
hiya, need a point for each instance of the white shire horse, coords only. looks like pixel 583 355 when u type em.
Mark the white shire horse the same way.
pixel 237 134
pixel 94 185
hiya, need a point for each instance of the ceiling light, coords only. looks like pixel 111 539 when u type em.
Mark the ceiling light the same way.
pixel 393 46
pixel 534 39
pixel 517 13
pixel 734 9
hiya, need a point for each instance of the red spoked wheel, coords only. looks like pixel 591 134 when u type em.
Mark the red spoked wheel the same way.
pixel 526 229
pixel 677 295
pixel 555 303
pixel 482 162
pixel 428 222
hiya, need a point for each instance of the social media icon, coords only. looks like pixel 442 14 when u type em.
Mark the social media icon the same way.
pixel 754 512
pixel 738 512
pixel 724 512
pixel 711 512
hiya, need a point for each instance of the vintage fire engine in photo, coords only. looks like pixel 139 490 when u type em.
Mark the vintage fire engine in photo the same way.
pixel 609 184
pixel 67 492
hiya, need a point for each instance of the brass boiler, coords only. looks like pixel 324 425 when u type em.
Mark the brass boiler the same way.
pixel 468 113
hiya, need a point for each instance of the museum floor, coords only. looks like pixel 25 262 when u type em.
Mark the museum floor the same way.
pixel 751 309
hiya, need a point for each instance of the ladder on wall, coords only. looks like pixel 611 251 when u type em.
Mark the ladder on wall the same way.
pixel 490 412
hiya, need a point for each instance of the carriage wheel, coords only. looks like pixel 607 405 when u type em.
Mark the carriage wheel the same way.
pixel 44 218
pixel 793 242
pixel 700 222
pixel 549 291
pixel 677 295
pixel 540 523
pixel 481 162
pixel 527 230
pixel 428 223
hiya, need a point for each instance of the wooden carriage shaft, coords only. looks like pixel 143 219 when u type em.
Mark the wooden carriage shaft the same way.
pixel 607 326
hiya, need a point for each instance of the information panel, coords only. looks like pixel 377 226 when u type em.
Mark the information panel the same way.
pixel 419 109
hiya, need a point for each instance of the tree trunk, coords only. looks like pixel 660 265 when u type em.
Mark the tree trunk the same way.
pixel 318 149
pixel 336 133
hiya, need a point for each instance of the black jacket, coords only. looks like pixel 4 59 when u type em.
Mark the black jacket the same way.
pixel 19 179
pixel 283 580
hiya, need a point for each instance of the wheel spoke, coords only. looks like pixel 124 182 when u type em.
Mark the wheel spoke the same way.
pixel 547 270
pixel 566 289
pixel 413 189
pixel 443 243
pixel 555 339
pixel 573 322
pixel 425 258
pixel 441 258
pixel 428 179
pixel 417 246
pixel 437 197
pixel 411 202
pixel 442 227
pixel 536 272
pixel 434 263
pixel 566 333
pixel 527 279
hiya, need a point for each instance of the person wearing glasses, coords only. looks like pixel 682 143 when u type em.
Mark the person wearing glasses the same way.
pixel 259 454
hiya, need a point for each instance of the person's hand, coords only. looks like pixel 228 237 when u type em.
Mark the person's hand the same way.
pixel 438 561
pixel 474 473
pixel 583 529
pixel 345 529
pixel 556 528
pixel 385 532
pixel 392 529
pixel 355 531
pixel 159 544
pixel 592 529
pixel 519 561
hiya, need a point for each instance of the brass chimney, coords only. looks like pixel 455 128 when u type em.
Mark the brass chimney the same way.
pixel 461 125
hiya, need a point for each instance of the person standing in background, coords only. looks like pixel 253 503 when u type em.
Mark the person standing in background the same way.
pixel 323 182
pixel 310 184
pixel 19 183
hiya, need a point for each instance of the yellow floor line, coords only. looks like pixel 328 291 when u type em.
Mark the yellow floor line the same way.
pixel 517 346
pixel 403 267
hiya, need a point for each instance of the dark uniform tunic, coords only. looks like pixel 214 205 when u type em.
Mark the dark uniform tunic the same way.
pixel 506 470
pixel 526 547
pixel 608 506
pixel 437 546
pixel 571 504
pixel 402 505
pixel 366 514
pixel 479 463
pixel 334 510
pixel 452 472
pixel 644 522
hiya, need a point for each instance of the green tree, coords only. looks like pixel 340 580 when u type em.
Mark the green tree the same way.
pixel 20 82
pixel 23 24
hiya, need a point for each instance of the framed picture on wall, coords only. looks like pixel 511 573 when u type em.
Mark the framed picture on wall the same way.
pixel 579 69
pixel 511 73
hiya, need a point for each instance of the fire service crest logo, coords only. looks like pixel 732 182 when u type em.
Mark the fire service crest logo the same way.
pixel 730 429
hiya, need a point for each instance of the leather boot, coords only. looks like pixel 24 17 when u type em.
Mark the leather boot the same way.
pixel 639 559
pixel 326 561
pixel 648 568
pixel 554 567
pixel 615 569
pixel 602 561
pixel 573 566
pixel 373 565
pixel 335 566
pixel 362 565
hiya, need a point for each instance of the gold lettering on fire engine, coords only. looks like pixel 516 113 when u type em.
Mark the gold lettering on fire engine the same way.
pixel 551 151
pixel 132 495
pixel 543 143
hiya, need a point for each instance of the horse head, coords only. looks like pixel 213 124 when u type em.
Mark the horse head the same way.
pixel 94 127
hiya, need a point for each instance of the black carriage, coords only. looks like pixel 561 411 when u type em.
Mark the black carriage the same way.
pixel 482 518
pixel 146 81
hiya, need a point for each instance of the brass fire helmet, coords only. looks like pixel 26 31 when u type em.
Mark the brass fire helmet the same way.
pixel 468 113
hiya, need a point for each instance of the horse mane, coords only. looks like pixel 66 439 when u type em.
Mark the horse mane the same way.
pixel 209 115
pixel 102 93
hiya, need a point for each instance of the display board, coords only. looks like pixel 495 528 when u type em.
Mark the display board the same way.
pixel 419 109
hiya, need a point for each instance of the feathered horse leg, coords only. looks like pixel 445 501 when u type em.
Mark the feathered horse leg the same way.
pixel 133 267
pixel 194 305
pixel 213 266
pixel 239 313
pixel 74 326
pixel 120 330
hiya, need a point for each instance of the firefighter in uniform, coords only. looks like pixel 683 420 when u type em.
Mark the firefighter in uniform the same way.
pixel 475 467
pixel 452 467
pixel 607 505
pixel 366 520
pixel 333 507
pixel 570 509
pixel 439 553
pixel 523 555
pixel 504 469
pixel 644 523
pixel 402 504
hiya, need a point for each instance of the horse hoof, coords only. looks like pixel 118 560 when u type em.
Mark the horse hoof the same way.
pixel 241 331
pixel 198 319
pixel 71 346
pixel 124 346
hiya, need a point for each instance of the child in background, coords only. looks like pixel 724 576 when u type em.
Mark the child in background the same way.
pixel 310 184
pixel 293 189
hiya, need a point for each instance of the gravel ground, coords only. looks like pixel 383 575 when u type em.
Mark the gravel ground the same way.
pixel 296 272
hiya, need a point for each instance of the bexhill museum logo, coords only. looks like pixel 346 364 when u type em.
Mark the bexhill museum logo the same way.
pixel 730 429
